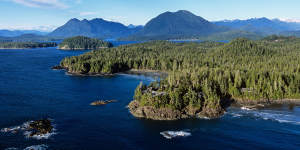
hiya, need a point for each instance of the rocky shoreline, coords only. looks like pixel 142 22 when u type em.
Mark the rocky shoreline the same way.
pixel 70 49
pixel 152 113
pixel 149 112
pixel 262 104
pixel 59 67
pixel 131 71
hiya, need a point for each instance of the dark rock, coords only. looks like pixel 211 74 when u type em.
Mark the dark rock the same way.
pixel 40 127
pixel 150 112
pixel 57 68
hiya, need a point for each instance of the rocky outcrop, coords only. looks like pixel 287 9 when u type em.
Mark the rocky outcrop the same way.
pixel 150 112
pixel 58 67
pixel 102 102
pixel 40 127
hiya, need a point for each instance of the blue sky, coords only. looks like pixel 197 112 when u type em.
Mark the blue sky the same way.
pixel 47 14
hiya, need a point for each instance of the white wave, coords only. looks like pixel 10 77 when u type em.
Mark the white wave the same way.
pixel 27 131
pixel 15 129
pixel 37 147
pixel 280 116
pixel 174 134
pixel 33 147
pixel 39 136
pixel 247 108
pixel 11 148
pixel 237 115
pixel 204 118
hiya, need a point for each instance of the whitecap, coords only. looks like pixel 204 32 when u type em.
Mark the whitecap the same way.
pixel 174 134
pixel 272 115
pixel 27 132
pixel 15 129
pixel 204 117
pixel 247 108
pixel 37 147
pixel 39 136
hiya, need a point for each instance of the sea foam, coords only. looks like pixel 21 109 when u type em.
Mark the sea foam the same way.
pixel 280 116
pixel 33 147
pixel 174 134
pixel 24 128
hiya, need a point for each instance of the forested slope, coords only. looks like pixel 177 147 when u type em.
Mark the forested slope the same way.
pixel 202 76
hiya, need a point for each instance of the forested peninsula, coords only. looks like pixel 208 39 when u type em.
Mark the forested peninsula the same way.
pixel 203 78
pixel 26 45
pixel 83 43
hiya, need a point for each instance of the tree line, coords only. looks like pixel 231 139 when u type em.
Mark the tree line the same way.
pixel 17 45
pixel 81 42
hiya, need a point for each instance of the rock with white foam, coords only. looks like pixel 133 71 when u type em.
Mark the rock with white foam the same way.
pixel 174 134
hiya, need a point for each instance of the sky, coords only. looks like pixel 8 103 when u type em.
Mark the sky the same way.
pixel 48 14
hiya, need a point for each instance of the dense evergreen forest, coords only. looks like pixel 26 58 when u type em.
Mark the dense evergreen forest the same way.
pixel 81 42
pixel 203 75
pixel 19 45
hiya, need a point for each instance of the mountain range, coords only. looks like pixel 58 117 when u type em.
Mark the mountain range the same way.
pixel 14 33
pixel 172 25
pixel 98 28
pixel 178 24
pixel 262 26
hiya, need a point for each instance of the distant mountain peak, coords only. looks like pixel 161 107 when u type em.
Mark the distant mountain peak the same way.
pixel 184 11
pixel 178 24
pixel 74 20
pixel 98 28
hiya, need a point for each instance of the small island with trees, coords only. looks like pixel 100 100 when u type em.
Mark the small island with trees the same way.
pixel 26 45
pixel 83 43
pixel 203 78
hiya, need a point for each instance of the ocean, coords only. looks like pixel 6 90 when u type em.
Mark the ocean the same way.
pixel 31 90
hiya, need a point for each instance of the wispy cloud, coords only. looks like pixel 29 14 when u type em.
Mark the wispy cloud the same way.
pixel 87 13
pixel 42 3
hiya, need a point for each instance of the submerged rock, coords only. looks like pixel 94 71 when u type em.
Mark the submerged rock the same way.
pixel 102 102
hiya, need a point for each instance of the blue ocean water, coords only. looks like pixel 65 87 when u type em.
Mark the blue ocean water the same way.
pixel 30 90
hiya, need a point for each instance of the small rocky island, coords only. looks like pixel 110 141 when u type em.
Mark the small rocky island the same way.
pixel 38 128
pixel 102 102
pixel 83 43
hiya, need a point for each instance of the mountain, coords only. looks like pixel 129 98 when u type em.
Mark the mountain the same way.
pixel 13 33
pixel 98 28
pixel 180 24
pixel 28 38
pixel 262 26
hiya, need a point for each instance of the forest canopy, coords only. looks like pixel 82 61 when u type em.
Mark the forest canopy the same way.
pixel 81 42
pixel 19 45
pixel 202 75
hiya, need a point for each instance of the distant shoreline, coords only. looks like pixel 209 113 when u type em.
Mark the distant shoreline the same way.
pixel 21 48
